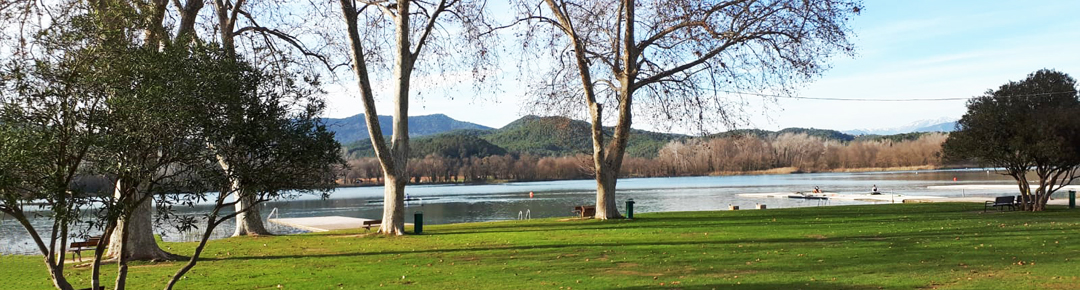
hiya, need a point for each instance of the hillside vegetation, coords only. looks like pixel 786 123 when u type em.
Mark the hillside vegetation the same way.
pixel 554 148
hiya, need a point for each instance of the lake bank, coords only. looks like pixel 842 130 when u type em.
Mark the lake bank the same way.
pixel 509 201
pixel 896 246
pixel 773 171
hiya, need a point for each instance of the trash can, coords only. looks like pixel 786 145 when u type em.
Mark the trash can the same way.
pixel 630 208
pixel 418 222
pixel 1072 199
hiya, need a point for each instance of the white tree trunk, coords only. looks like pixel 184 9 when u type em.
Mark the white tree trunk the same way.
pixel 249 222
pixel 393 219
pixel 141 245
pixel 606 207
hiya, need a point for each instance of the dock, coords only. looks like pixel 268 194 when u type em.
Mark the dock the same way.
pixel 323 223
pixel 884 197
pixel 1055 201
pixel 1005 187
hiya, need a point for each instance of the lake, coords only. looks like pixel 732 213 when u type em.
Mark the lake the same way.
pixel 444 204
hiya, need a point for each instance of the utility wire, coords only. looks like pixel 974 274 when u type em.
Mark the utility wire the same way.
pixel 880 100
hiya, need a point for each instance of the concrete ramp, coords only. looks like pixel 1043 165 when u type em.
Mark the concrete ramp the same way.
pixel 323 223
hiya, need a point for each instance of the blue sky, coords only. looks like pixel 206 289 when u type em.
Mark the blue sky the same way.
pixel 905 50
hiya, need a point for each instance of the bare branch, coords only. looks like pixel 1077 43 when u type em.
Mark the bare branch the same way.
pixel 292 41
pixel 428 28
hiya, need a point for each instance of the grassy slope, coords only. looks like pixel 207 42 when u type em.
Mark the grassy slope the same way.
pixel 904 246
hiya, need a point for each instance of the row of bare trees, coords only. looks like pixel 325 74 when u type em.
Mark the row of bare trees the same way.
pixel 802 152
pixel 442 169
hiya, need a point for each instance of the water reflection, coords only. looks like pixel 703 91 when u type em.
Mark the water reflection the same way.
pixel 477 203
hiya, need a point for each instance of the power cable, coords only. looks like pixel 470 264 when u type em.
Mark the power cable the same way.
pixel 879 100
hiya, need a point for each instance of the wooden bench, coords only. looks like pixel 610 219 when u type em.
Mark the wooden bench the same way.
pixel 372 223
pixel 1031 199
pixel 1001 202
pixel 585 210
pixel 89 244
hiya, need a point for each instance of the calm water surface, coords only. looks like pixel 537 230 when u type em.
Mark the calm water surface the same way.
pixel 444 204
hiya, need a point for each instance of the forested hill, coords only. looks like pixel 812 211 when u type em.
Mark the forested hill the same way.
pixel 351 129
pixel 820 133
pixel 558 136
pixel 539 136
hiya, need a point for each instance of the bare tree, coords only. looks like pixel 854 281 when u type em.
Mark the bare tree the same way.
pixel 370 25
pixel 680 55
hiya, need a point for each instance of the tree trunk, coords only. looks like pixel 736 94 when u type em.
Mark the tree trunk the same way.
pixel 122 259
pixel 141 245
pixel 1025 190
pixel 393 157
pixel 249 222
pixel 606 207
pixel 99 251
pixel 55 272
pixel 226 25
pixel 211 223
pixel 393 219
pixel 188 15
pixel 1041 197
pixel 58 277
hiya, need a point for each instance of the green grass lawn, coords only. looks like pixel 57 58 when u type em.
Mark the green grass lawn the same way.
pixel 901 246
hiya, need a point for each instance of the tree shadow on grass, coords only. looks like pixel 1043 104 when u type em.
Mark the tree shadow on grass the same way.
pixel 679 223
pixel 906 237
pixel 763 286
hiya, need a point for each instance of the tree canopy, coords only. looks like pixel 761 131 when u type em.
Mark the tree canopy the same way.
pixel 1027 125
pixel 92 102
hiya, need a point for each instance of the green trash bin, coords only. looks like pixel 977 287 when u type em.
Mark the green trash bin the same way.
pixel 1072 199
pixel 418 222
pixel 630 208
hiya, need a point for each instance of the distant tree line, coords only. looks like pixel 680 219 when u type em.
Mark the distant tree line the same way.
pixel 721 154
pixel 799 151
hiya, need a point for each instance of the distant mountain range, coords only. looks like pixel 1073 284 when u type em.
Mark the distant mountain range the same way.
pixel 935 125
pixel 347 130
pixel 560 136
pixel 534 135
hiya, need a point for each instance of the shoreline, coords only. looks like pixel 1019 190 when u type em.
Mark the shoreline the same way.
pixel 772 171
